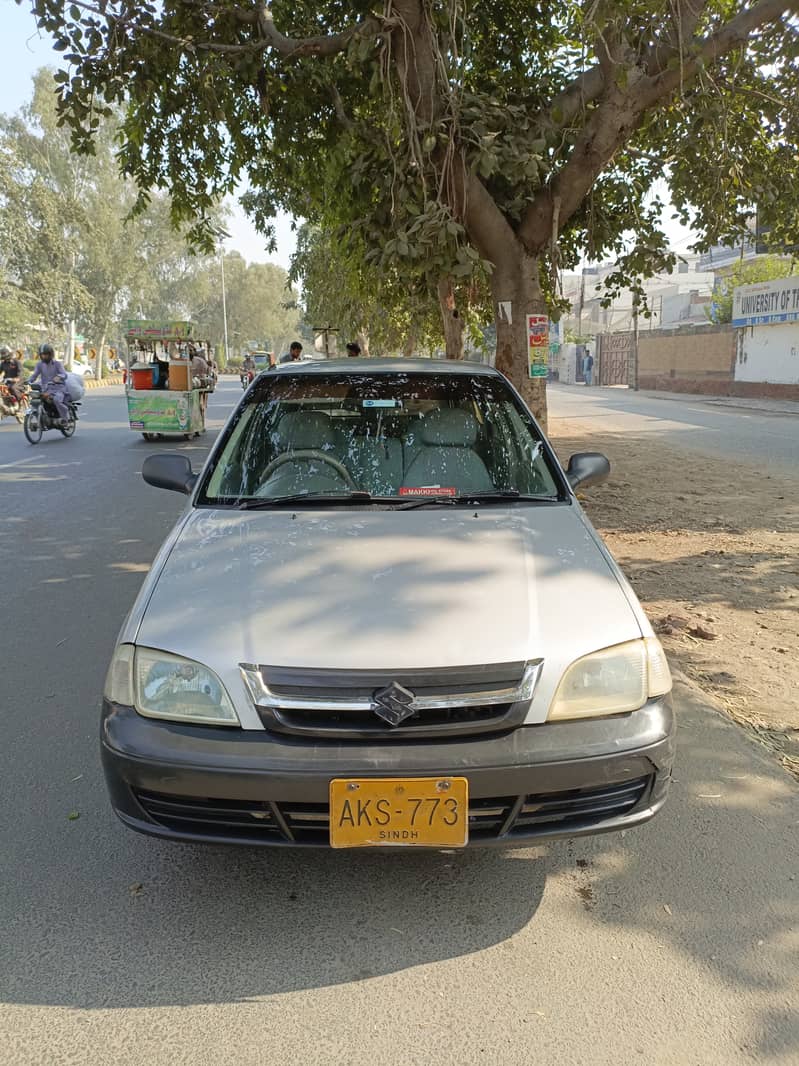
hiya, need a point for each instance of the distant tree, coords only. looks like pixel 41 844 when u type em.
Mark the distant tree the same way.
pixel 764 268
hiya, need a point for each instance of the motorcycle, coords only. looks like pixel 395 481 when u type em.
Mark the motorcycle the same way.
pixel 10 405
pixel 247 377
pixel 43 415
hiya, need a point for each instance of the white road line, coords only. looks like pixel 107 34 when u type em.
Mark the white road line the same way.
pixel 19 462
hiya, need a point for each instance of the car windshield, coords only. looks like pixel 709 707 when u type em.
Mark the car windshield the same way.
pixel 399 436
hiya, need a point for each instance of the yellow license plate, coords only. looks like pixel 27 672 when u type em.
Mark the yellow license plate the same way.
pixel 399 812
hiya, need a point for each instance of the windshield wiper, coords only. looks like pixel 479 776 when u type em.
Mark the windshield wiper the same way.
pixel 263 503
pixel 492 496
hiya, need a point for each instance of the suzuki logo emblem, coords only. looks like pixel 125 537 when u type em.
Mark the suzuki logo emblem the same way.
pixel 393 703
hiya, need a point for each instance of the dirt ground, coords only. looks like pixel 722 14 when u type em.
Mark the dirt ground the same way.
pixel 712 552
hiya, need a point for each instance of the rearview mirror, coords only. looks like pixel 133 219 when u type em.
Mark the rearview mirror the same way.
pixel 169 470
pixel 587 468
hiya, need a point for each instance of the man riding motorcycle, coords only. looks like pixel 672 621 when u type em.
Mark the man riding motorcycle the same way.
pixel 247 371
pixel 11 372
pixel 12 395
pixel 53 377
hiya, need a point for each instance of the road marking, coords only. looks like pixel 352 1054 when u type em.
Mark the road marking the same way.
pixel 19 462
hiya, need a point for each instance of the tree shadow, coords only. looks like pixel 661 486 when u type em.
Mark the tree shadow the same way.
pixel 715 877
pixel 657 489
pixel 735 581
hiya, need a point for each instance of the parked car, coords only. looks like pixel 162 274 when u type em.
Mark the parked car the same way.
pixel 83 370
pixel 384 619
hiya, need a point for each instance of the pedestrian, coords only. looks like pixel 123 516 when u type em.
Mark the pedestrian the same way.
pixel 588 366
pixel 353 350
pixel 294 353
pixel 53 377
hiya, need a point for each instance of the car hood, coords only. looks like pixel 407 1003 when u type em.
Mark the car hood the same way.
pixel 387 589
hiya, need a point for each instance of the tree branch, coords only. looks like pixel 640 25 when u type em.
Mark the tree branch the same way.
pixel 702 52
pixel 488 229
pixel 323 45
pixel 620 111
pixel 269 36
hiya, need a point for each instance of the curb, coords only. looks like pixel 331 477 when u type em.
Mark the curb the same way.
pixel 90 383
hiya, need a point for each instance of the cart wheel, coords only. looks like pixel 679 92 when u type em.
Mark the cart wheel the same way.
pixel 150 436
pixel 187 436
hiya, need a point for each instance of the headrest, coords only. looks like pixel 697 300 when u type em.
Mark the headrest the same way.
pixel 450 428
pixel 299 430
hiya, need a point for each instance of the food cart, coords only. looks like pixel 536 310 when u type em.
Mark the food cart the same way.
pixel 164 399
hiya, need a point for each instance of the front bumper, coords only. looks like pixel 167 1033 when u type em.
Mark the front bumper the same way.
pixel 225 786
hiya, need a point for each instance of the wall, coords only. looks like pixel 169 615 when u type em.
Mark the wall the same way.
pixel 769 353
pixel 673 358
pixel 709 360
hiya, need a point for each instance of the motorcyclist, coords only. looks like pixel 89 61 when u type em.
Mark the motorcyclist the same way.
pixel 11 372
pixel 248 368
pixel 53 377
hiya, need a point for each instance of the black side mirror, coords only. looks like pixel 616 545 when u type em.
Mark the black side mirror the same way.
pixel 587 468
pixel 169 470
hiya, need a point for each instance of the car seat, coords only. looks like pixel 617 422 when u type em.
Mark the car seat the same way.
pixel 446 455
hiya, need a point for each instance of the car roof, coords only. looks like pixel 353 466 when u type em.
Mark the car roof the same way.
pixel 386 366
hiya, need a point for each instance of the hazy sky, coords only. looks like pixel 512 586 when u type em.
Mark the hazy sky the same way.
pixel 23 51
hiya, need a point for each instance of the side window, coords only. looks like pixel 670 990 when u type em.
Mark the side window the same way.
pixel 228 478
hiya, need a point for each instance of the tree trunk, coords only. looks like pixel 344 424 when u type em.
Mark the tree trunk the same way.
pixel 99 364
pixel 451 319
pixel 410 343
pixel 517 293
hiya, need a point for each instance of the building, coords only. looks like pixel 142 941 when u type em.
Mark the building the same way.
pixel 766 319
pixel 673 299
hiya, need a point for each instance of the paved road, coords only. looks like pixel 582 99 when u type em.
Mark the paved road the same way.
pixel 674 944
pixel 771 439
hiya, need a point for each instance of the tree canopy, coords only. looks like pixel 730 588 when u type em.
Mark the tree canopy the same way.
pixel 502 138
pixel 70 250
pixel 767 268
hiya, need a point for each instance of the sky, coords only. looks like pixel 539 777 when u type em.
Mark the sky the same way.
pixel 23 51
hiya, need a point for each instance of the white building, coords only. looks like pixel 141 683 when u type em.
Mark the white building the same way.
pixel 675 299
pixel 766 316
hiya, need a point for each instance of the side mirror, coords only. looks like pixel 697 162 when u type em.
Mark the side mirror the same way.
pixel 587 468
pixel 169 470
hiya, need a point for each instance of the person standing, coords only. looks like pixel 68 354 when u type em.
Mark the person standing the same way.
pixel 588 367
pixel 53 377
pixel 294 353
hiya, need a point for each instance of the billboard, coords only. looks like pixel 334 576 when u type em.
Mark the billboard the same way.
pixel 766 303
pixel 538 346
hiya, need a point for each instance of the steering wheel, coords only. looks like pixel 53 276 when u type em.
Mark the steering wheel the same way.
pixel 308 455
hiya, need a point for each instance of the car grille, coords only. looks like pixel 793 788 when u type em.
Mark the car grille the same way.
pixel 505 817
pixel 341 705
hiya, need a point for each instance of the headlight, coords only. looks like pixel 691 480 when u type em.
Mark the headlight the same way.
pixel 613 681
pixel 160 685
pixel 119 679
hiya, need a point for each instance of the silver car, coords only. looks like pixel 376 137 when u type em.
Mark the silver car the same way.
pixel 384 619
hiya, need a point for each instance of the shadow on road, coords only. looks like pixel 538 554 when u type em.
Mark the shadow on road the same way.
pixel 223 926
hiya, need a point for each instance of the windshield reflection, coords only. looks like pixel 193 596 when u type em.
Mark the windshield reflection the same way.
pixel 392 437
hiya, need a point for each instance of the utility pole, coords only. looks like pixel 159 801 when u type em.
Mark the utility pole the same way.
pixel 634 382
pixel 224 307
pixel 71 343
pixel 326 331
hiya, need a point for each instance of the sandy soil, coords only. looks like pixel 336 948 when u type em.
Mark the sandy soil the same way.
pixel 713 554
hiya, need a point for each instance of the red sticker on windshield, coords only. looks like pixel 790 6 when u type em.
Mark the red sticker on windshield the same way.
pixel 427 490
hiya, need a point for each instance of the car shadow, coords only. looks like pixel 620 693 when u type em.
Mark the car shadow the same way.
pixel 218 925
